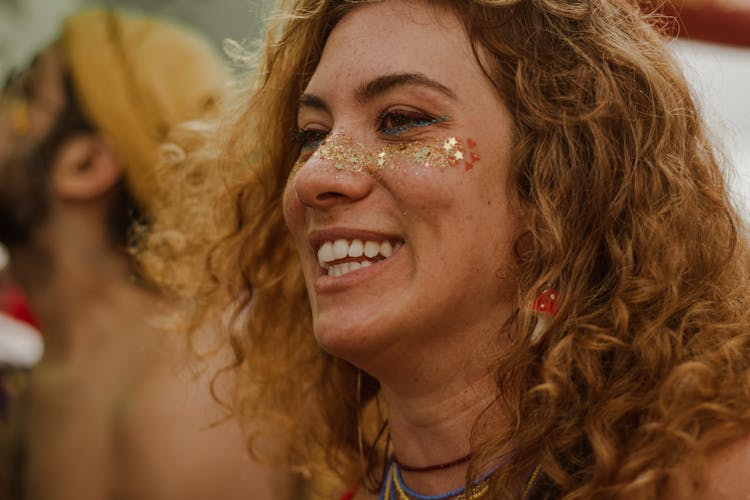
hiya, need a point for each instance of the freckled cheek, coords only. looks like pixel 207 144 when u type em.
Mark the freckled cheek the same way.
pixel 437 190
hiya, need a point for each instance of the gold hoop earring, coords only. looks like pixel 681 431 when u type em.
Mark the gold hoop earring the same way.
pixel 360 440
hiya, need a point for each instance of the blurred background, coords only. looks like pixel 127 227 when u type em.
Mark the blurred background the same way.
pixel 719 75
pixel 26 23
pixel 27 26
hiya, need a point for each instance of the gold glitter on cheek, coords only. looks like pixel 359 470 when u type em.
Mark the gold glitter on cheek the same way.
pixel 446 153
pixel 381 159
pixel 344 153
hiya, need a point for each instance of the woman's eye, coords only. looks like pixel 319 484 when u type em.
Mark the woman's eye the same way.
pixel 395 123
pixel 309 139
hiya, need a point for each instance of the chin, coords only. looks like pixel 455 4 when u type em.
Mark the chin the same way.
pixel 348 340
pixel 338 339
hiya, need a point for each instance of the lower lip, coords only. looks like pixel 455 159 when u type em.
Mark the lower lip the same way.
pixel 329 284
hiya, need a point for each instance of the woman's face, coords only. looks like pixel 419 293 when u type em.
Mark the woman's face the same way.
pixel 398 204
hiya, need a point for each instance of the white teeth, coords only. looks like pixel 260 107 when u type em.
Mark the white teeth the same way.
pixel 340 249
pixel 325 253
pixel 386 249
pixel 347 267
pixel 331 251
pixel 372 248
pixel 356 248
pixel 341 269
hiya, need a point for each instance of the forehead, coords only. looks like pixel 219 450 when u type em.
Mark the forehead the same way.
pixel 396 36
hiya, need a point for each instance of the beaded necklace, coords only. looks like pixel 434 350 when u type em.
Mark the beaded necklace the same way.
pixel 394 488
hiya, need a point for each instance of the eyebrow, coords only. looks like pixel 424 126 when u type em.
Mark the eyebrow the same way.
pixel 313 101
pixel 385 83
pixel 379 86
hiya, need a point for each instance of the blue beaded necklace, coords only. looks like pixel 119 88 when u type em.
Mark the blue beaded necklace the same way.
pixel 394 488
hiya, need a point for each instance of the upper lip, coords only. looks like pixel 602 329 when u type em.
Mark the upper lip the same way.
pixel 318 237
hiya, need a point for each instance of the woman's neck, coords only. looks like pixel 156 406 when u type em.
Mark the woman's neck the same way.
pixel 436 426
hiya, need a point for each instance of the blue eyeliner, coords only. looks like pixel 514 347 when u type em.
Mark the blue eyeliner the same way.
pixel 394 131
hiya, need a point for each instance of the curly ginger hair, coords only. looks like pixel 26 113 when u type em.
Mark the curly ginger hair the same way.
pixel 623 210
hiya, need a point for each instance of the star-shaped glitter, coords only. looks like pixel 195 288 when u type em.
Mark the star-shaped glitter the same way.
pixel 381 158
pixel 450 143
pixel 458 155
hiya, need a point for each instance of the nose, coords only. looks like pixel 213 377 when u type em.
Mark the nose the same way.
pixel 319 184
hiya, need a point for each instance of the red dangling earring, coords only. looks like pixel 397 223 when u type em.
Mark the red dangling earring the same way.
pixel 545 306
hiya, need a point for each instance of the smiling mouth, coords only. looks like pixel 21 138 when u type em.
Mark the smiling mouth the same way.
pixel 339 257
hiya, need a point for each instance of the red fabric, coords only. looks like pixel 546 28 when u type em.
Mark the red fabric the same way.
pixel 709 20
pixel 349 494
pixel 730 26
pixel 13 302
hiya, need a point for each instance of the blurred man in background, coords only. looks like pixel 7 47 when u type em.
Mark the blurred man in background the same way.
pixel 111 411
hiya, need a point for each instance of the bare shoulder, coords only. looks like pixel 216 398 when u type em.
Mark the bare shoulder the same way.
pixel 722 474
pixel 178 444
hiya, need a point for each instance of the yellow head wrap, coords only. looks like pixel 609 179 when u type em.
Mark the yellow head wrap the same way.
pixel 137 78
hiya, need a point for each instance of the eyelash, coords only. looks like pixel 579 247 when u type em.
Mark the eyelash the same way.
pixel 410 121
pixel 310 139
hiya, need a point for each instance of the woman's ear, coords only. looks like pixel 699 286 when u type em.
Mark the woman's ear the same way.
pixel 85 167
